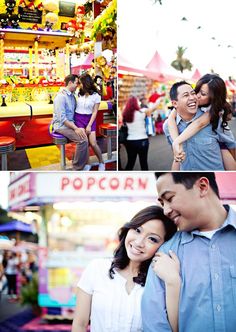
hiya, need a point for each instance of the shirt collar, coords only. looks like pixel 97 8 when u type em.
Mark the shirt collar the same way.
pixel 230 220
pixel 178 117
pixel 66 90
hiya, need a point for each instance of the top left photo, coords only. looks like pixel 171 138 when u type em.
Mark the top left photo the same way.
pixel 58 85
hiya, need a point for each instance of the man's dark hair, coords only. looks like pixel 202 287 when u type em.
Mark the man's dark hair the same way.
pixel 189 178
pixel 174 89
pixel 70 78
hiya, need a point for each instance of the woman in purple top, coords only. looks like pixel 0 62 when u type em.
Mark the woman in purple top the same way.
pixel 86 113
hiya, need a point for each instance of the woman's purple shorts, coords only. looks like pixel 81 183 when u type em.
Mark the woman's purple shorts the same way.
pixel 82 120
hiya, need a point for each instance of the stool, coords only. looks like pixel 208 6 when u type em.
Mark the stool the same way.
pixel 7 144
pixel 108 130
pixel 61 140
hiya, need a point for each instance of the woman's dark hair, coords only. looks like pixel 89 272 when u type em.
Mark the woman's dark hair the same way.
pixel 130 107
pixel 218 102
pixel 121 259
pixel 88 85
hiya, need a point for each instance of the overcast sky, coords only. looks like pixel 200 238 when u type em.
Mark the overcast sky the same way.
pixel 4 181
pixel 145 27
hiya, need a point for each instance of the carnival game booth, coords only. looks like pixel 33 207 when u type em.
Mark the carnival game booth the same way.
pixel 36 42
pixel 78 219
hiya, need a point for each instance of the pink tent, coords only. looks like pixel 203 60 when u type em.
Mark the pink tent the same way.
pixel 85 65
pixel 196 75
pixel 157 69
pixel 230 85
pixel 124 65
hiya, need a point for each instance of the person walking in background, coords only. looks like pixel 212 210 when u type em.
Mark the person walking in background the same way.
pixel 137 143
pixel 11 270
pixel 110 290
pixel 205 246
pixel 212 93
pixel 86 113
pixel 63 121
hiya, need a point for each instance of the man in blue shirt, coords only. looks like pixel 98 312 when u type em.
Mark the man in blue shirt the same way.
pixel 203 149
pixel 206 247
pixel 63 121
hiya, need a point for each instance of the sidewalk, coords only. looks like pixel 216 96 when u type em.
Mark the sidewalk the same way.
pixel 17 318
pixel 13 315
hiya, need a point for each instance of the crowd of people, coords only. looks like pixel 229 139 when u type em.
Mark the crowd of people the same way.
pixel 142 120
pixel 197 127
pixel 16 270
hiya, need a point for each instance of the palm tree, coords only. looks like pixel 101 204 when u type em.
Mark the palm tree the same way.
pixel 181 63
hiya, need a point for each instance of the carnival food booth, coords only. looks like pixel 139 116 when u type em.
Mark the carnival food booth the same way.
pixel 78 217
pixel 77 220
pixel 37 40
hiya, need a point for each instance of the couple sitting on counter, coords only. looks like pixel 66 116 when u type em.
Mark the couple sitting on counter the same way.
pixel 75 118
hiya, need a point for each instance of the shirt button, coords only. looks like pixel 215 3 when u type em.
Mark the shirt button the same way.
pixel 216 276
pixel 213 246
pixel 218 307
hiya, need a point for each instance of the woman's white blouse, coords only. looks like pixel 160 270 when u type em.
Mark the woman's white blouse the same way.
pixel 85 104
pixel 136 129
pixel 113 309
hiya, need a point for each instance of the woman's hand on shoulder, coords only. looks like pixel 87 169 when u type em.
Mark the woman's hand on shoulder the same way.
pixel 167 267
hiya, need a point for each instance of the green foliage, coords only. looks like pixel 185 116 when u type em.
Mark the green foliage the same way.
pixel 4 217
pixel 181 63
pixel 29 292
pixel 106 20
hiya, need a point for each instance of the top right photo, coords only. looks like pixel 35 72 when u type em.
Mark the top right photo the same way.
pixel 176 85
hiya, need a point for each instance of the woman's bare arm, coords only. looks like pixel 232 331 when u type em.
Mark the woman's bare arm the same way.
pixel 172 126
pixel 82 311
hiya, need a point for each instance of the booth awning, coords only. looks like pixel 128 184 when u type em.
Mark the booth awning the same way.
pixel 196 75
pixel 16 225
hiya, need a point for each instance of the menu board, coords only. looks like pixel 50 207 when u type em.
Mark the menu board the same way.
pixel 66 9
pixel 29 15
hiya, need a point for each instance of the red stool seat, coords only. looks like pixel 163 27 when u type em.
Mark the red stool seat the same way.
pixel 7 144
pixel 6 140
pixel 108 129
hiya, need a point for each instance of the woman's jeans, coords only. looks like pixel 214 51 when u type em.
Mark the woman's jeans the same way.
pixel 137 147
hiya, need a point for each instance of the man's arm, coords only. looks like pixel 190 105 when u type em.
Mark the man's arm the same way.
pixel 60 112
pixel 154 314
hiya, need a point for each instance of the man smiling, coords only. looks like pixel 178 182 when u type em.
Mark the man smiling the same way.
pixel 202 149
pixel 206 247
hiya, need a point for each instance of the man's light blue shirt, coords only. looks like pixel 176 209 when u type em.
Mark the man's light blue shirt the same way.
pixel 64 108
pixel 203 149
pixel 208 290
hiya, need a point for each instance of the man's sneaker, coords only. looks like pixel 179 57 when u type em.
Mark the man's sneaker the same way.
pixel 87 167
pixel 101 167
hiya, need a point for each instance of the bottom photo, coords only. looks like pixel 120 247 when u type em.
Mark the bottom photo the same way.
pixel 118 252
